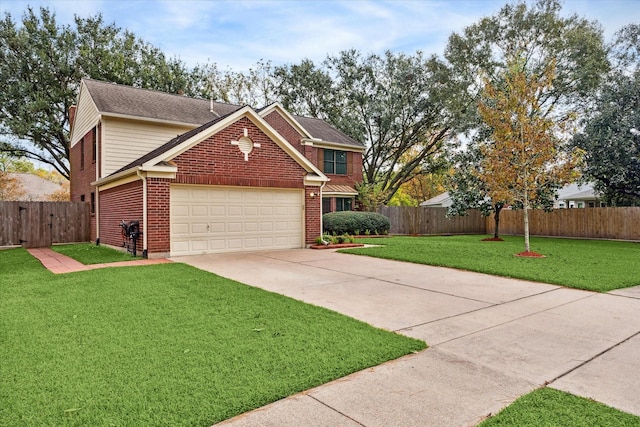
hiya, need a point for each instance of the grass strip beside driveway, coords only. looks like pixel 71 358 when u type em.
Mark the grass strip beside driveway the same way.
pixel 548 407
pixel 163 344
pixel 88 253
pixel 595 265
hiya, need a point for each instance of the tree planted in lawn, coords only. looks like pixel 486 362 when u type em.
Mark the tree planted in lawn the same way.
pixel 528 152
pixel 468 191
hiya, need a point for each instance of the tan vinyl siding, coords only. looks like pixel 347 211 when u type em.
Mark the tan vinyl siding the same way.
pixel 86 116
pixel 127 140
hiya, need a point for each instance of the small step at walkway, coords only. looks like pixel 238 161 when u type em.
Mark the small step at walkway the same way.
pixel 58 263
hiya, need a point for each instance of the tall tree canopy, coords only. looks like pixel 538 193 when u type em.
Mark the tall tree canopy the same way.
pixel 540 35
pixel 537 35
pixel 395 103
pixel 41 65
pixel 611 136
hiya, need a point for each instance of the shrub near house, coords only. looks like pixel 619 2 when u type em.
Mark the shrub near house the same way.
pixel 356 223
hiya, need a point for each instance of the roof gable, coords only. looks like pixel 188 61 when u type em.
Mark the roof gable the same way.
pixel 165 153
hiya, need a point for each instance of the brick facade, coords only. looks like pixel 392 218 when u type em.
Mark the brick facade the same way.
pixel 117 204
pixel 158 215
pixel 316 155
pixel 83 173
pixel 214 161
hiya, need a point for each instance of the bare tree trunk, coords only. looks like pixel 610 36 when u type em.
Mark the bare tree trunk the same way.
pixel 527 246
pixel 496 218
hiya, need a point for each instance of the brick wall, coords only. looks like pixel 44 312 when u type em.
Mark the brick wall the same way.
pixel 286 130
pixel 158 216
pixel 82 174
pixel 116 204
pixel 215 161
pixel 313 214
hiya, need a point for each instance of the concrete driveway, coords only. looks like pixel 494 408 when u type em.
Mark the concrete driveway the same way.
pixel 491 339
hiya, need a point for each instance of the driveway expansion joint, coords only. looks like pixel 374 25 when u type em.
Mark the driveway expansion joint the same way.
pixel 335 410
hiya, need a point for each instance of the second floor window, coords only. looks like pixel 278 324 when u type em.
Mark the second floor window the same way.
pixel 335 162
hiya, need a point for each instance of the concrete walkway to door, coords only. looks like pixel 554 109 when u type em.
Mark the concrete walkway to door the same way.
pixel 491 339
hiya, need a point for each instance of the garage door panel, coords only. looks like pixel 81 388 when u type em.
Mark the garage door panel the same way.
pixel 199 210
pixel 198 245
pixel 216 210
pixel 208 219
pixel 234 210
pixel 217 245
pixel 199 228
pixel 251 210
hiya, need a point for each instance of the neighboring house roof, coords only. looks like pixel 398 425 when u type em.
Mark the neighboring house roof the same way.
pixel 573 192
pixel 128 101
pixel 123 100
pixel 35 187
pixel 577 191
pixel 441 200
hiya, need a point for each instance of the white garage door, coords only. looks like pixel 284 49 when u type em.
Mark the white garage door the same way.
pixel 206 219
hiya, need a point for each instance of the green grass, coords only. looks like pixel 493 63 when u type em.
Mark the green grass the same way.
pixel 547 407
pixel 163 344
pixel 88 253
pixel 595 265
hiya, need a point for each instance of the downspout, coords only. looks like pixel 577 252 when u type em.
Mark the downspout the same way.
pixel 143 176
pixel 98 169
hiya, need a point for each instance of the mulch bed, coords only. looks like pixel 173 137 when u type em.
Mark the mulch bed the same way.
pixel 526 254
pixel 492 239
pixel 338 246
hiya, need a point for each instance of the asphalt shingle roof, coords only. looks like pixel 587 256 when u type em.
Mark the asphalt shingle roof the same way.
pixel 320 129
pixel 130 101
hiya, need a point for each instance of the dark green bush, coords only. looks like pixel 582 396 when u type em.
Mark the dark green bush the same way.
pixel 358 223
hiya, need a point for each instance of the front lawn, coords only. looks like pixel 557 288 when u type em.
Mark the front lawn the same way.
pixel 163 344
pixel 548 407
pixel 595 265
pixel 88 253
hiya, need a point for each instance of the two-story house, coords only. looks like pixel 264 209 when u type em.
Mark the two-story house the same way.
pixel 205 177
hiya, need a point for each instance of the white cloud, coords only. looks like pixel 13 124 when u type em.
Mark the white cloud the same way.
pixel 238 33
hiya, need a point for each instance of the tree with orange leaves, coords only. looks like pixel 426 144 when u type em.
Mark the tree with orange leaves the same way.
pixel 10 187
pixel 528 150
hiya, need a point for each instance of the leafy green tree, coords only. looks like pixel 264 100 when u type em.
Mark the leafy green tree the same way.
pixel 307 90
pixel 611 136
pixel 41 65
pixel 256 87
pixel 467 190
pixel 540 34
pixel 394 103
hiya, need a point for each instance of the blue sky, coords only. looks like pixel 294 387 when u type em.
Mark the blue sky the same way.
pixel 236 34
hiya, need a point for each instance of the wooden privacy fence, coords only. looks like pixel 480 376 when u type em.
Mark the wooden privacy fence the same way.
pixel 428 220
pixel 592 223
pixel 39 224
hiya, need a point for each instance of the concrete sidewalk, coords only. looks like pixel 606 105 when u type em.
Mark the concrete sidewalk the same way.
pixel 491 339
